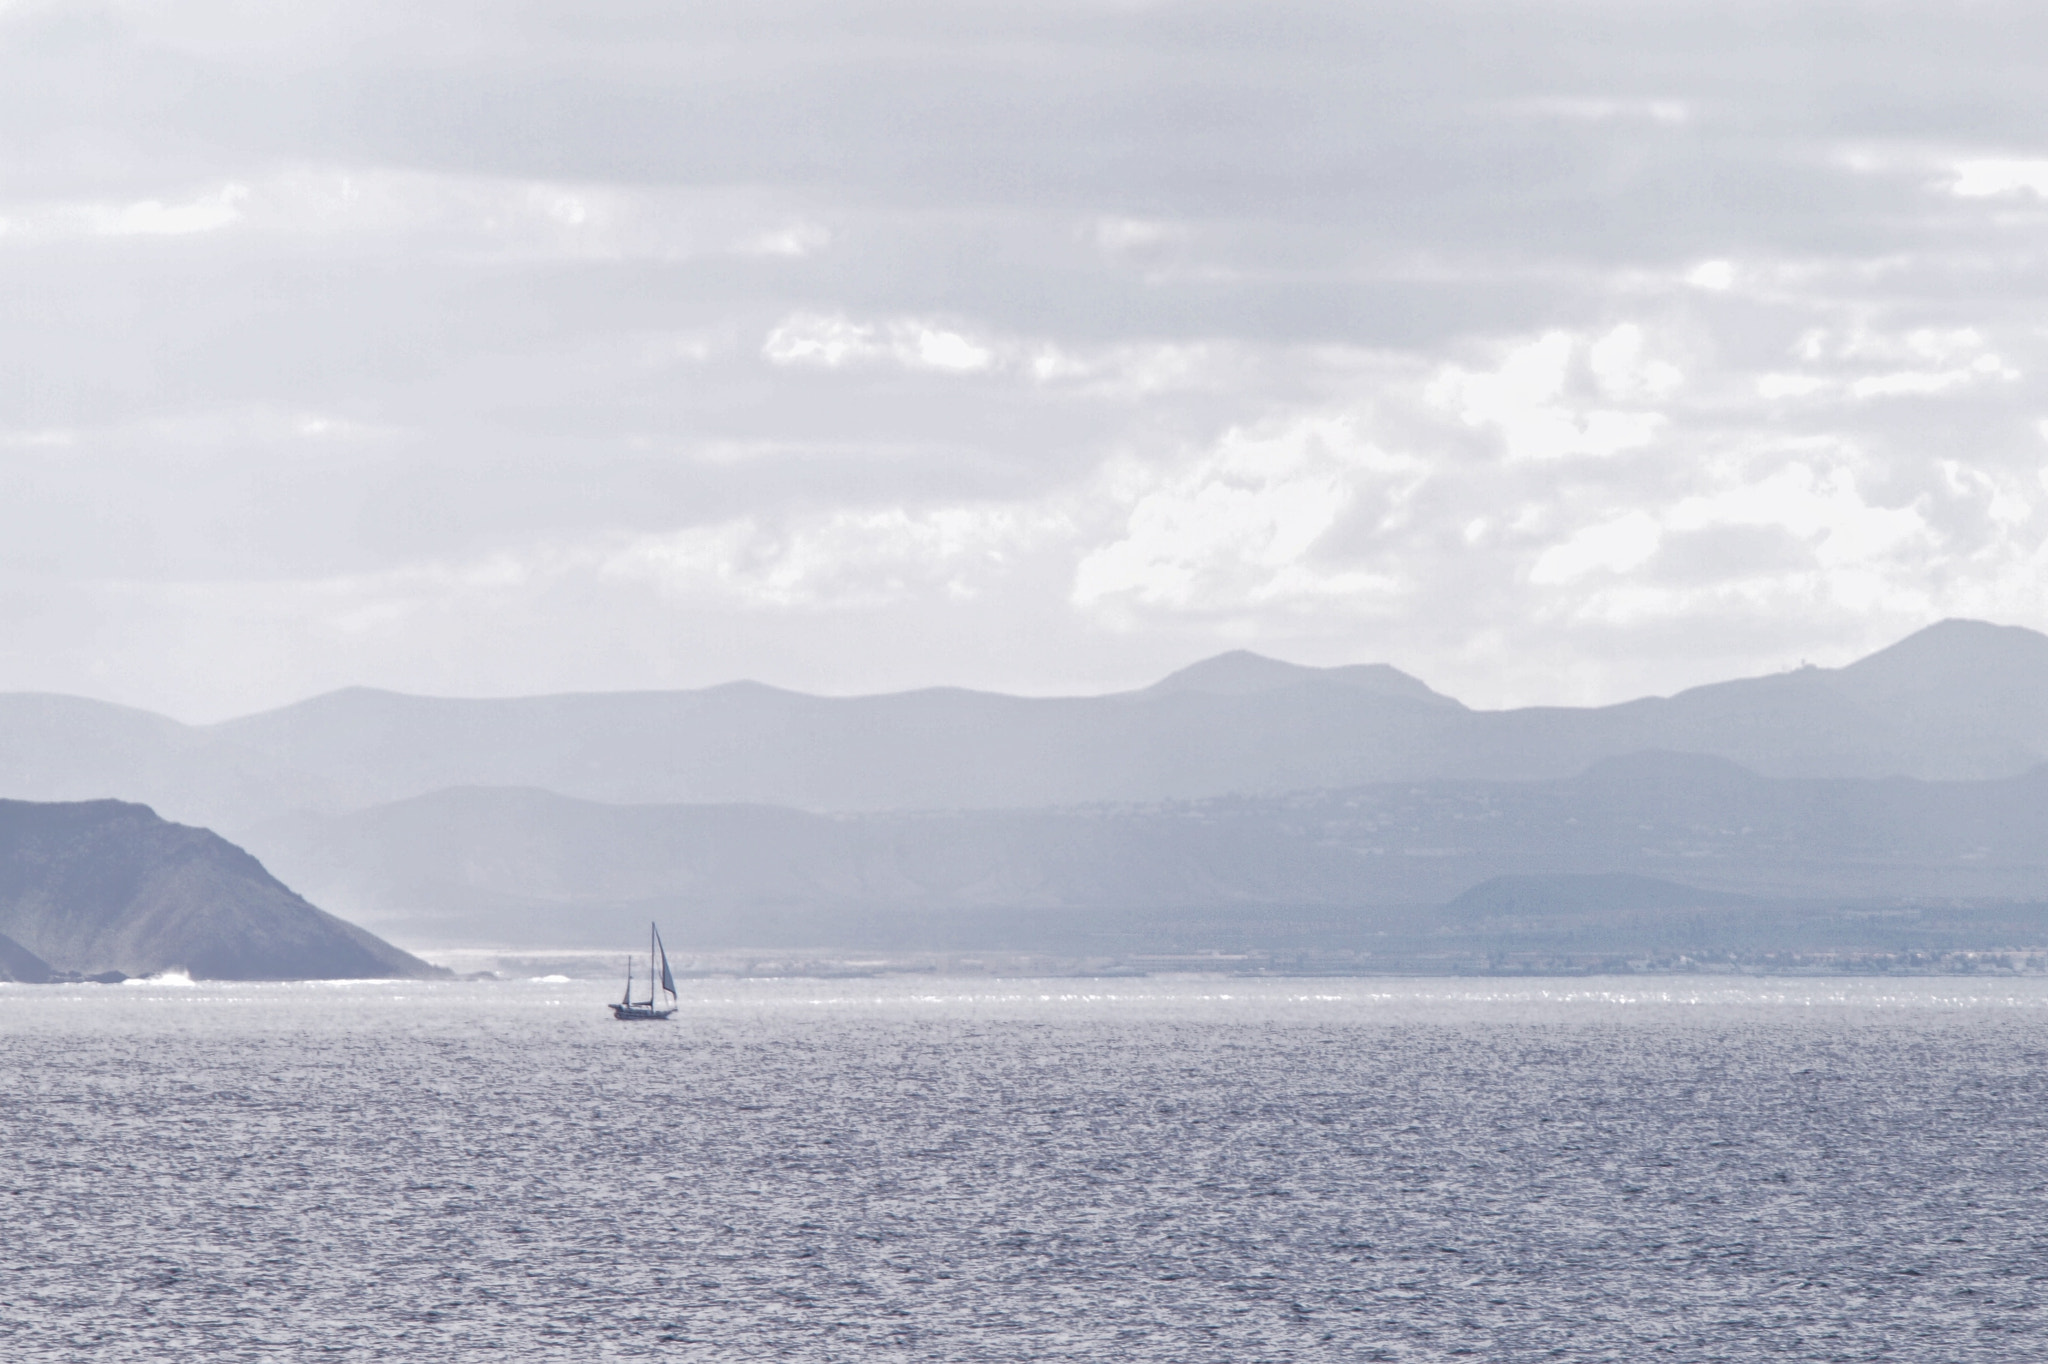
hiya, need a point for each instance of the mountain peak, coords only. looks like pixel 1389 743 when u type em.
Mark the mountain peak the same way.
pixel 1244 673
pixel 1958 644
pixel 1239 672
pixel 1958 656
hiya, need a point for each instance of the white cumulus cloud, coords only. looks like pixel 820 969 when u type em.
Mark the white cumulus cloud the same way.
pixel 1612 546
pixel 1986 177
pixel 1529 399
pixel 1242 526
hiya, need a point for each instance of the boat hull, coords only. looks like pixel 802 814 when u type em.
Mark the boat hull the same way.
pixel 633 1013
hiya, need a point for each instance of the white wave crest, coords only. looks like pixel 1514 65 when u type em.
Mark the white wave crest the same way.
pixel 175 975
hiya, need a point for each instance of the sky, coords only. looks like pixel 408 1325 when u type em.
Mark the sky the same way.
pixel 1552 352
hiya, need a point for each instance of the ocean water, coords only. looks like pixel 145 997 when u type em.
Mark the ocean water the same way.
pixel 966 1169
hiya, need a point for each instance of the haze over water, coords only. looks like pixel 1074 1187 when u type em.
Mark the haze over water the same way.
pixel 950 1168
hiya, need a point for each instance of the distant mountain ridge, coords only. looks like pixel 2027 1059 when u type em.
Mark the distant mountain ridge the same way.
pixel 1957 701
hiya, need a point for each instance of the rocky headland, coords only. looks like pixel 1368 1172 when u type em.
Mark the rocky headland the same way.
pixel 105 888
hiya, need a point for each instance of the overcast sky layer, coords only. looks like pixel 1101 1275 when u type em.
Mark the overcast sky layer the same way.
pixel 1552 352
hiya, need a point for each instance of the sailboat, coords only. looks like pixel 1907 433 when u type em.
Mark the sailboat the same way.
pixel 631 1010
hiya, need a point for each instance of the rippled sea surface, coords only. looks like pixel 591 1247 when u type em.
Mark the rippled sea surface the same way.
pixel 985 1170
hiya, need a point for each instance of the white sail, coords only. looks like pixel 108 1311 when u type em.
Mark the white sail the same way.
pixel 659 977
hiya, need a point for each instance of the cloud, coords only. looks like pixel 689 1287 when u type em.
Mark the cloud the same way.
pixel 452 215
pixel 58 439
pixel 1119 373
pixel 1241 528
pixel 1718 276
pixel 1998 177
pixel 1823 505
pixel 1612 546
pixel 794 240
pixel 205 212
pixel 1863 364
pixel 1528 398
pixel 841 560
pixel 831 340
pixel 1831 543
pixel 1671 112
pixel 821 339
pixel 1553 359
pixel 1624 368
pixel 1118 236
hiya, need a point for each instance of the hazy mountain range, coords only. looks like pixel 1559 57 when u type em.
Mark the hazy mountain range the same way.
pixel 1240 785
pixel 474 863
pixel 1957 701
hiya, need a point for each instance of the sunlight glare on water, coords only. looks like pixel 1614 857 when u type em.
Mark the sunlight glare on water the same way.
pixel 926 1168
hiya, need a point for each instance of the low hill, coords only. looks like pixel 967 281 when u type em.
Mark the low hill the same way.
pixel 1586 895
pixel 510 867
pixel 100 886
